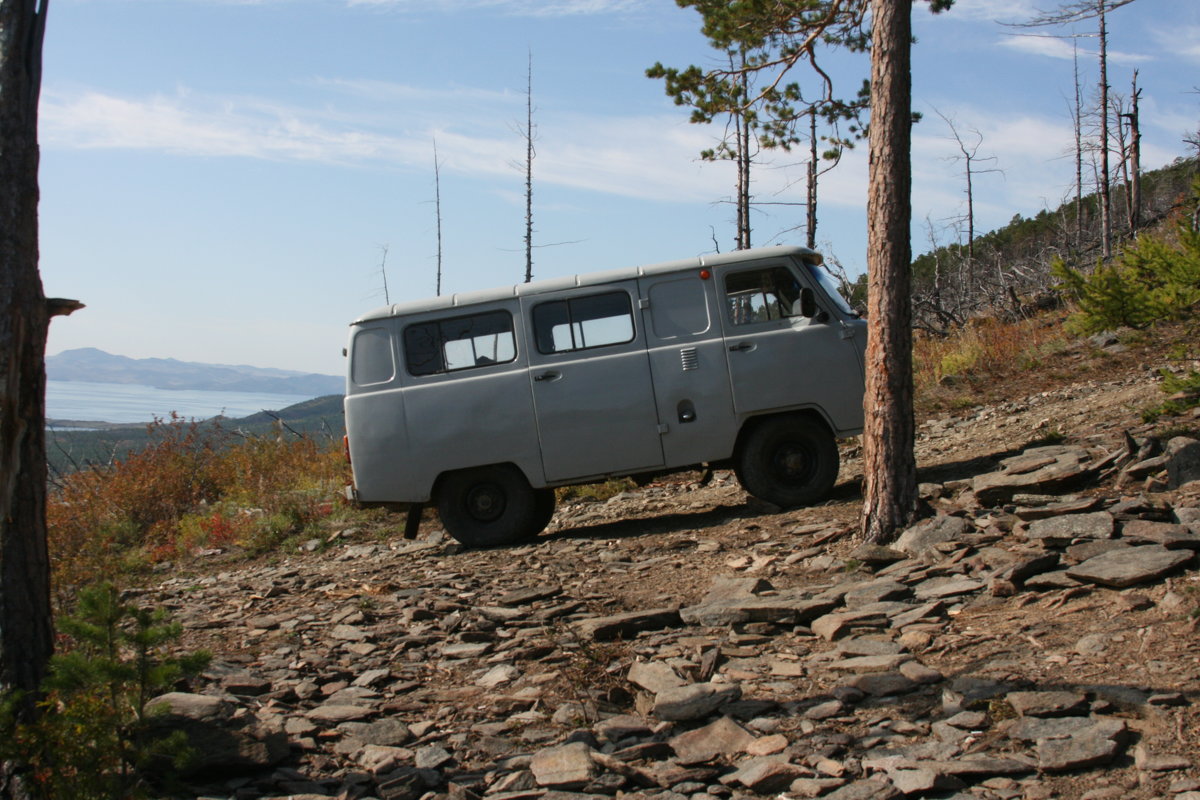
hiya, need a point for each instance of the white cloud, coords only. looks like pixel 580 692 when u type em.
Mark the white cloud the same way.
pixel 648 157
pixel 525 8
pixel 1061 47
pixel 1180 40
pixel 991 11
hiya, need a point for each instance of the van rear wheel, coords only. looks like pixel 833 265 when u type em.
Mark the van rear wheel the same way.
pixel 789 461
pixel 491 506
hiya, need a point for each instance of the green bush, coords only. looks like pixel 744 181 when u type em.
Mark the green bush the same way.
pixel 1157 278
pixel 92 739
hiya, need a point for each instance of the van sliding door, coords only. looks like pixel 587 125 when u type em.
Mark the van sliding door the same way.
pixel 590 375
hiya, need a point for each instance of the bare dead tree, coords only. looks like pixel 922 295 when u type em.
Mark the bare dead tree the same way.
pixel 970 159
pixel 528 133
pixel 1131 160
pixel 1079 11
pixel 437 206
pixel 1077 120
pixel 383 273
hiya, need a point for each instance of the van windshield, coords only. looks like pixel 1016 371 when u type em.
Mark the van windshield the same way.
pixel 832 289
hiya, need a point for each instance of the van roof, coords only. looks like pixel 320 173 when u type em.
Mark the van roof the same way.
pixel 588 279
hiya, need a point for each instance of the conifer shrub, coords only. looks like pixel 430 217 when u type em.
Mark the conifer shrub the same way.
pixel 92 738
pixel 1155 279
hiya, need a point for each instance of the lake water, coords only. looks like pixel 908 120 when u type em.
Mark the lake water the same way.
pixel 124 402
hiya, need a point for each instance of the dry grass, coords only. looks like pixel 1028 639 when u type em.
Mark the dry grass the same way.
pixel 956 371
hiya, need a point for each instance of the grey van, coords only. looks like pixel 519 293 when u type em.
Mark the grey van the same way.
pixel 483 402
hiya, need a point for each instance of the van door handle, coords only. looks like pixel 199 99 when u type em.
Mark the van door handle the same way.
pixel 741 347
pixel 548 375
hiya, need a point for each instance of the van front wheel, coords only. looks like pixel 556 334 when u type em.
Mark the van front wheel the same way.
pixel 490 506
pixel 789 461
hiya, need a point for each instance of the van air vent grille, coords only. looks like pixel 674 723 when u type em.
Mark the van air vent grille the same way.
pixel 688 358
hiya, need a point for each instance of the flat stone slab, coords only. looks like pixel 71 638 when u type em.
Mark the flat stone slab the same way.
pixel 654 676
pixel 334 713
pixel 1062 530
pixel 626 626
pixel 834 626
pixel 1170 535
pixel 882 684
pixel 974 767
pixel 874 663
pixel 721 738
pixel 876 591
pixel 922 538
pixel 1038 470
pixel 694 701
pixel 1097 741
pixel 790 610
pixel 1047 704
pixel 569 766
pixel 1131 566
pixel 939 588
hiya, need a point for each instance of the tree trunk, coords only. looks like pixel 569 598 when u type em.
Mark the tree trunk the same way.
pixel 1105 177
pixel 26 634
pixel 1135 161
pixel 1078 121
pixel 811 238
pixel 889 467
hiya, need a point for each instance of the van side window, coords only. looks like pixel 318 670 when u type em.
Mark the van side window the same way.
pixel 447 345
pixel 679 308
pixel 761 295
pixel 580 323
pixel 372 362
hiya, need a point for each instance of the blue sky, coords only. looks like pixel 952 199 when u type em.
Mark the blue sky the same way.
pixel 220 177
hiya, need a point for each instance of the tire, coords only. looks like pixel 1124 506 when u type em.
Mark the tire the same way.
pixel 789 461
pixel 491 506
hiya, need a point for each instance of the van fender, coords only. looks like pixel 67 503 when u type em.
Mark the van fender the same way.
pixel 748 424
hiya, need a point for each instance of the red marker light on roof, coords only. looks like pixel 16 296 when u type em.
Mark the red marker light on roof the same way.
pixel 705 274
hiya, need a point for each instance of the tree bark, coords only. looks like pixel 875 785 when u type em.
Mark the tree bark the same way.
pixel 1105 176
pixel 26 635
pixel 889 466
pixel 811 236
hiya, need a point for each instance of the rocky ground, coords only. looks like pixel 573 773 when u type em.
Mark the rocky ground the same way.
pixel 1032 639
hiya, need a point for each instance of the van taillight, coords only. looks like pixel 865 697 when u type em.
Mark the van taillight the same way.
pixel 346 447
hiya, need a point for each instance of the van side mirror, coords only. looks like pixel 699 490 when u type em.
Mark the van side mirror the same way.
pixel 808 302
pixel 809 307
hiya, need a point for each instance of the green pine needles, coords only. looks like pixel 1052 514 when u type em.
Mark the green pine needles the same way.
pixel 92 738
pixel 1157 278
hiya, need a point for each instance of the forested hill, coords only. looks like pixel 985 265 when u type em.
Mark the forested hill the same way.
pixel 96 366
pixel 1007 270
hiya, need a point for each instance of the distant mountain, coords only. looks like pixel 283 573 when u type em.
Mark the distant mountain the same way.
pixel 90 365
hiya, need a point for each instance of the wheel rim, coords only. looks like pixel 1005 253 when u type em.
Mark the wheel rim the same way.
pixel 793 462
pixel 486 502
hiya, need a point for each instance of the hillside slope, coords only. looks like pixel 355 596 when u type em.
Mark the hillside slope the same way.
pixel 685 641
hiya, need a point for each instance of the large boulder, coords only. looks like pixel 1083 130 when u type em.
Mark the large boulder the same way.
pixel 223 740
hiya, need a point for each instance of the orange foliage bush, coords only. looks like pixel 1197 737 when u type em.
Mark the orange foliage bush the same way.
pixel 194 486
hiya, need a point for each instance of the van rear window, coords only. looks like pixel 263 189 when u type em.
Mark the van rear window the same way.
pixel 448 345
pixel 581 323
pixel 372 361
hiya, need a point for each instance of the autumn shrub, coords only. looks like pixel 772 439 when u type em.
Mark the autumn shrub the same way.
pixel 193 487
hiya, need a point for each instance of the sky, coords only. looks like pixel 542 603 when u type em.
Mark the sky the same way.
pixel 232 181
